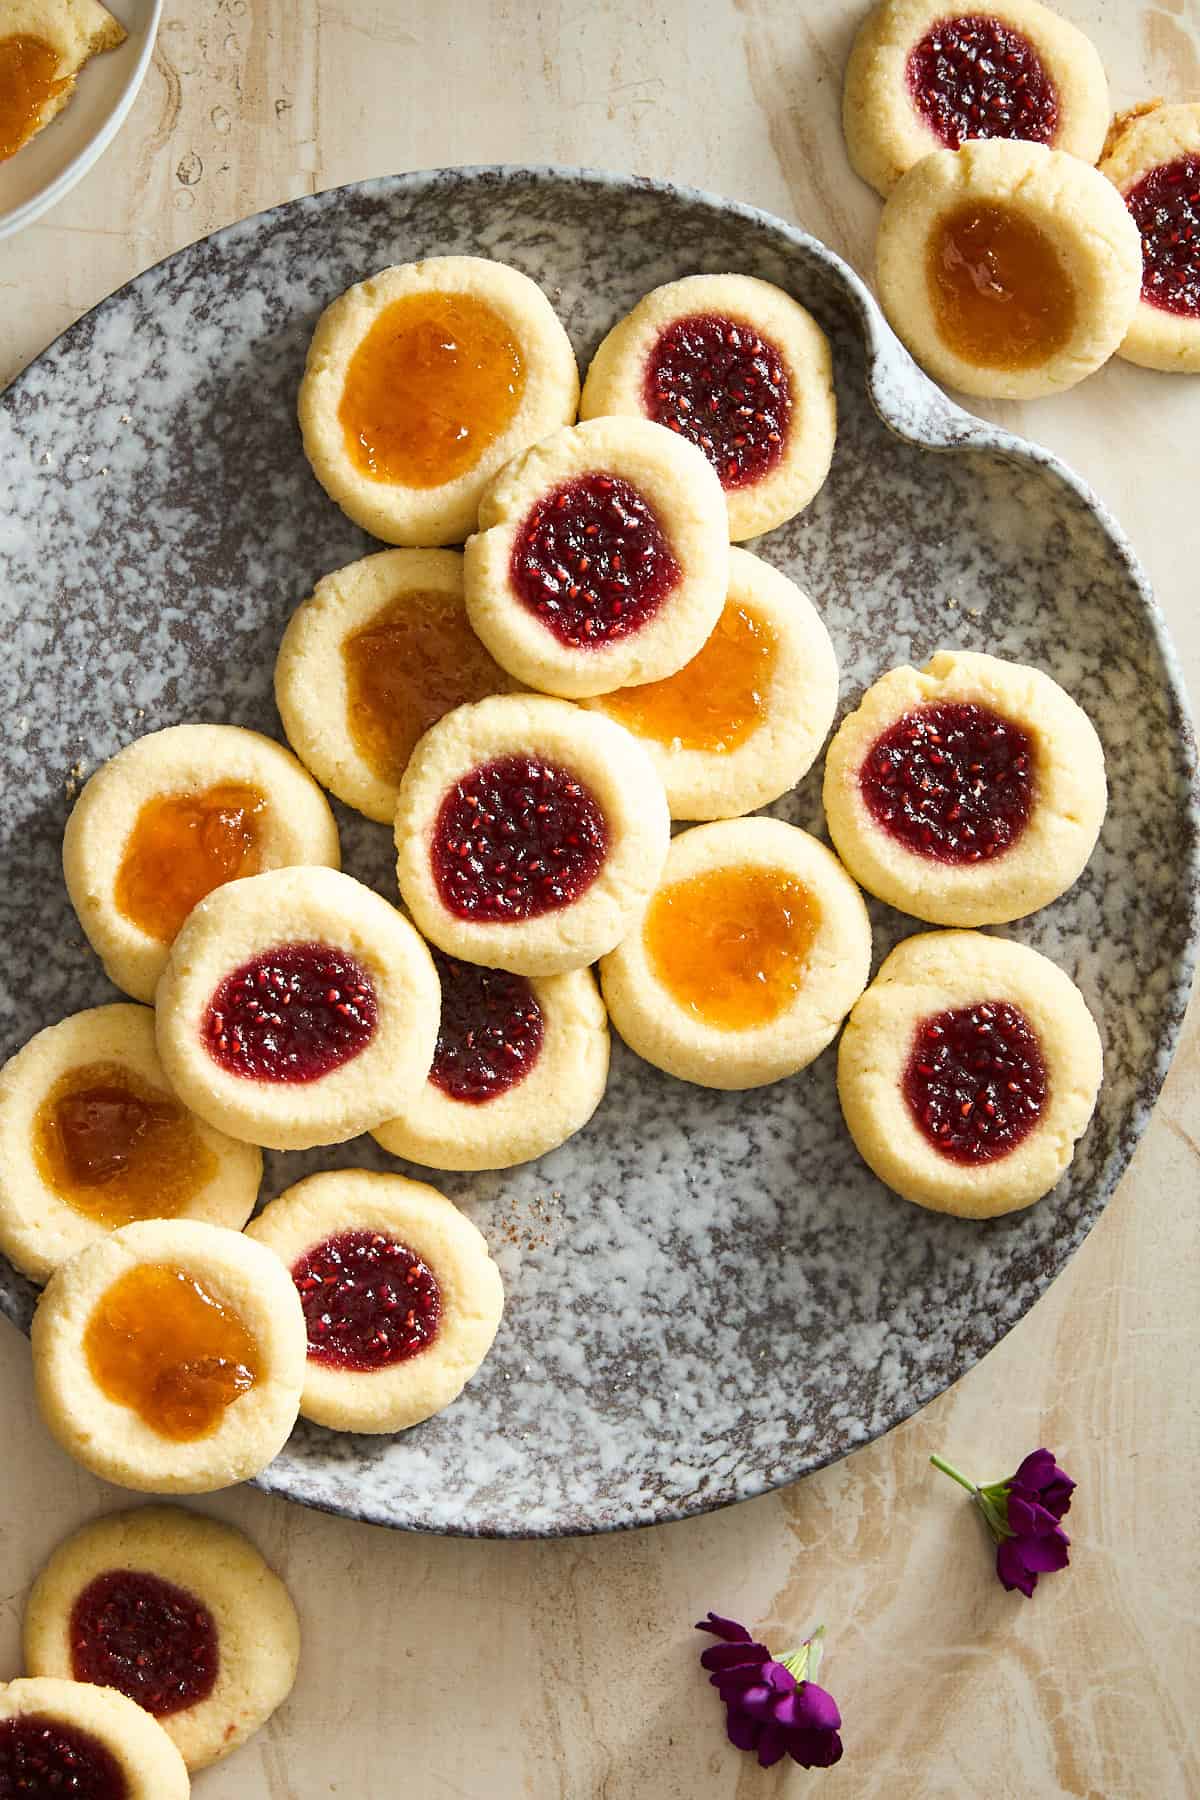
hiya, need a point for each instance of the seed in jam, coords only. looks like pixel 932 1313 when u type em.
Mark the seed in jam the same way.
pixel 592 561
pixel 976 1080
pixel 28 79
pixel 435 381
pixel 716 701
pixel 732 944
pixel 116 1149
pixel 1166 210
pixel 149 1639
pixel 182 846
pixel 369 1302
pixel 291 1014
pixel 160 1343
pixel 516 838
pixel 974 77
pixel 952 782
pixel 43 1758
pixel 417 659
pixel 491 1031
pixel 1000 295
pixel 721 385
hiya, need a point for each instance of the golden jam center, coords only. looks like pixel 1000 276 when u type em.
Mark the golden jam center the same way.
pixel 999 292
pixel 732 944
pixel 435 381
pixel 716 701
pixel 160 1343
pixel 417 659
pixel 28 79
pixel 116 1149
pixel 182 846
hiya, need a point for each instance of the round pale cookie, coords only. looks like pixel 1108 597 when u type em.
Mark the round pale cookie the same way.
pixel 747 959
pixel 421 382
pixel 741 370
pixel 39 79
pixel 744 720
pixel 400 1293
pixel 176 1611
pixel 169 1357
pixel 169 818
pixel 68 1737
pixel 600 560
pixel 528 834
pixel 296 1008
pixel 967 1072
pixel 91 1138
pixel 376 656
pixel 922 77
pixel 970 792
pixel 520 1065
pixel 1009 270
pixel 1152 158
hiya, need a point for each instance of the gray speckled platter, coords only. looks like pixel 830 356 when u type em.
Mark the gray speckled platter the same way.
pixel 708 1295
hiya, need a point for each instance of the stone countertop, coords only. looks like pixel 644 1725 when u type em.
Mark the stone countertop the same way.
pixel 567 1670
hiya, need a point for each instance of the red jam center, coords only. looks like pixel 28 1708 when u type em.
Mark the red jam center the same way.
pixel 976 1082
pixel 1166 208
pixel 592 561
pixel 516 838
pixel 368 1301
pixel 154 1641
pixel 953 782
pixel 43 1758
pixel 972 77
pixel 291 1014
pixel 719 384
pixel 491 1031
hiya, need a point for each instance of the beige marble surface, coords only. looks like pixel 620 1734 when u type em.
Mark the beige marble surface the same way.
pixel 567 1670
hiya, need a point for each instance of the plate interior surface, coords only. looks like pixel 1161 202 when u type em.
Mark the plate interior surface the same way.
pixel 708 1294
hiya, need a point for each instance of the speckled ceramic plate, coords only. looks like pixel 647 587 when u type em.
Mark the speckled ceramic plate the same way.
pixel 708 1295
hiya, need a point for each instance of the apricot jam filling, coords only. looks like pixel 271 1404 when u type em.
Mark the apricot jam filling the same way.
pixel 152 1641
pixel 182 846
pixel 999 293
pixel 435 381
pixel 28 79
pixel 159 1342
pixel 716 701
pixel 116 1149
pixel 732 945
pixel 417 659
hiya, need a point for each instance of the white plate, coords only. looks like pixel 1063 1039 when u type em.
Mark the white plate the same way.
pixel 40 173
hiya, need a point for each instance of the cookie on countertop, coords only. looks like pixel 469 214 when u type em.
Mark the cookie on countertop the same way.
pixel 64 1737
pixel 1152 157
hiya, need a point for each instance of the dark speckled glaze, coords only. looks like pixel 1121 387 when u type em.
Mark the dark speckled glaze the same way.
pixel 708 1295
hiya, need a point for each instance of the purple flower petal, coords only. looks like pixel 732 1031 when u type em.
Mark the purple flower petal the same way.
pixel 772 1744
pixel 741 1731
pixel 732 1682
pixel 814 1749
pixel 816 1709
pixel 758 1703
pixel 733 1656
pixel 1043 1555
pixel 1011 1569
pixel 778 1677
pixel 1052 1485
pixel 1027 1519
pixel 729 1629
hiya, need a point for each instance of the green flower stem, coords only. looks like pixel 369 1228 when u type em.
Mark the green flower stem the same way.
pixel 803 1662
pixel 939 1462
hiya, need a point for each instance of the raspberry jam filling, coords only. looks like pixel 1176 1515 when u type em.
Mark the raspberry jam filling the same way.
pixel 491 1031
pixel 160 1343
pixel 716 701
pixel 516 838
pixel 435 381
pixel 592 561
pixel 416 660
pixel 952 782
pixel 976 1081
pixel 1166 209
pixel 28 79
pixel 973 77
pixel 731 945
pixel 368 1301
pixel 724 387
pixel 116 1149
pixel 999 293
pixel 182 846
pixel 291 1014
pixel 146 1637
pixel 42 1758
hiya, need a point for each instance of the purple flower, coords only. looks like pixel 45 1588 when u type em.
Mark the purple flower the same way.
pixel 1023 1516
pixel 771 1707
